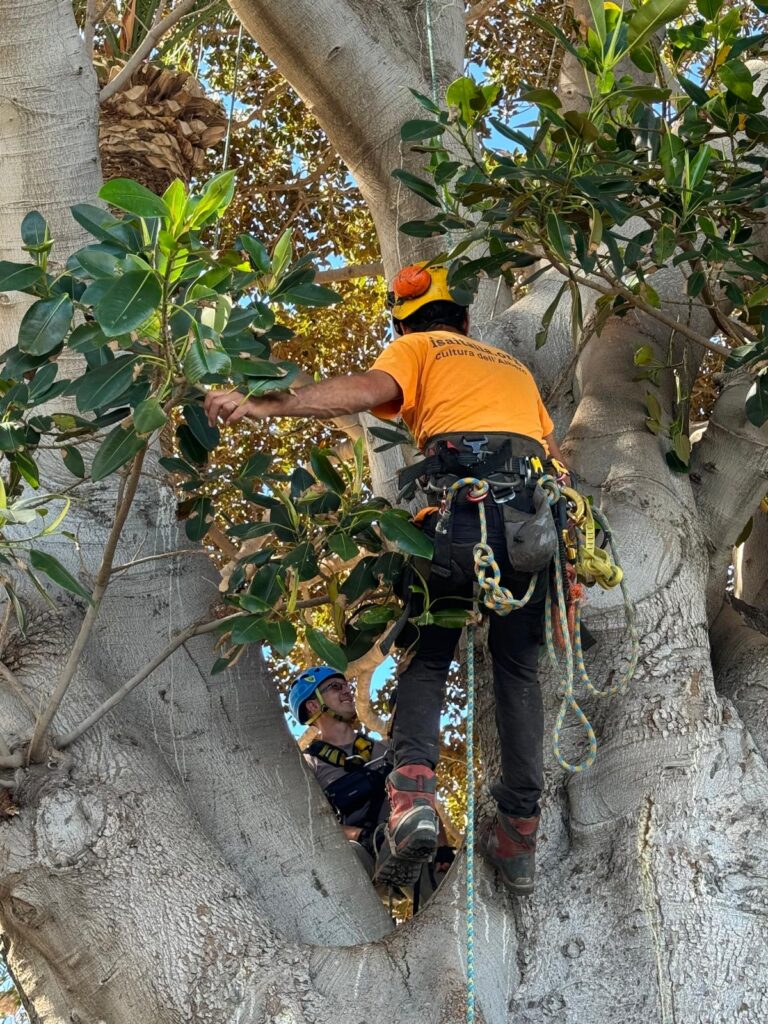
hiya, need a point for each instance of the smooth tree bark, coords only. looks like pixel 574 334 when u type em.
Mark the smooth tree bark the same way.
pixel 175 863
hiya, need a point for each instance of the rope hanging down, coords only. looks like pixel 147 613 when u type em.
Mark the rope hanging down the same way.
pixel 592 564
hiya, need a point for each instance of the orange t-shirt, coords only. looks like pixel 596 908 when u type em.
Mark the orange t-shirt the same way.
pixel 451 383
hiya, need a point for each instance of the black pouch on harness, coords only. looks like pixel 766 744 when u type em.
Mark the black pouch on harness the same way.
pixel 531 535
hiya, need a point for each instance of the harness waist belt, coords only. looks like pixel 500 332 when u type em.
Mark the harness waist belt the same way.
pixel 474 454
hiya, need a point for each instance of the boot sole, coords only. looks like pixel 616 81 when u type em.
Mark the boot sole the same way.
pixel 394 871
pixel 418 845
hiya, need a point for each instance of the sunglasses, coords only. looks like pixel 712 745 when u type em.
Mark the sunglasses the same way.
pixel 336 686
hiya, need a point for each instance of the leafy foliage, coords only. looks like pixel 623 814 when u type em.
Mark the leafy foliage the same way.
pixel 685 158
pixel 164 316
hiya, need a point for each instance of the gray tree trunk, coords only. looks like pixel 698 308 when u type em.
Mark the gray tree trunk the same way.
pixel 177 864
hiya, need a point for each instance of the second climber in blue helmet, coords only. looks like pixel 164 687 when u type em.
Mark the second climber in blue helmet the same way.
pixel 350 766
pixel 352 769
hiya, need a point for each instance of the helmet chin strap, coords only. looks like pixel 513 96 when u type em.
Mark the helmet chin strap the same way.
pixel 325 710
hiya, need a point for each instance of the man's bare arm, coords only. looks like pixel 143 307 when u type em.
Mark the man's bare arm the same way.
pixel 554 448
pixel 337 396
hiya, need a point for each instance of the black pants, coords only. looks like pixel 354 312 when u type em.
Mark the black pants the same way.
pixel 514 641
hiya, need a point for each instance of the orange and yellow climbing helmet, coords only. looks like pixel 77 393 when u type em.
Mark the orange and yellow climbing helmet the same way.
pixel 416 285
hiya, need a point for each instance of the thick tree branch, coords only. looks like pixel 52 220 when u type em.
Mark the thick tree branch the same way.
pixel 479 11
pixel 150 41
pixel 17 690
pixel 196 629
pixel 750 566
pixel 740 663
pixel 125 498
pixel 729 473
pixel 350 273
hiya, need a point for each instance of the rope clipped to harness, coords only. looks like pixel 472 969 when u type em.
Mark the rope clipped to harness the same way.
pixel 494 596
pixel 593 564
pixel 569 665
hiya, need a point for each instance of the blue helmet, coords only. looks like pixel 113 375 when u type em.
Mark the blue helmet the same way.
pixel 305 686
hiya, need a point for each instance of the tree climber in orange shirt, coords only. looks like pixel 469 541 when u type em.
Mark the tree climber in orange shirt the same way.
pixel 474 411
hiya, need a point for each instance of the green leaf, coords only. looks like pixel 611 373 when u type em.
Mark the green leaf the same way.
pixel 425 101
pixel 559 238
pixel 419 186
pixel 664 244
pixel 413 130
pixel 56 572
pixel 360 580
pixel 643 355
pixel 248 630
pixel 343 546
pixel 709 8
pixel 197 422
pixel 326 650
pixel 650 17
pixel 148 416
pixel 215 198
pixel 549 312
pixel 542 98
pixel 202 361
pixel 34 232
pixel 200 519
pixel 451 618
pixel 303 560
pixel 97 262
pixel 756 406
pixel 266 584
pixel 281 254
pixel 133 197
pixel 96 220
pixel 175 199
pixel 73 460
pixel 697 94
pixel 471 100
pixel 737 77
pixel 405 535
pixel 681 444
pixel 117 448
pixel 324 471
pixel 696 283
pixel 255 465
pixel 19 277
pixel 653 406
pixel 99 387
pixel 281 636
pixel 421 229
pixel 18 609
pixel 312 295
pixel 45 325
pixel 128 301
pixel 12 438
pixel 378 615
pixel 597 11
pixel 27 466
pixel 256 253
pixel 87 338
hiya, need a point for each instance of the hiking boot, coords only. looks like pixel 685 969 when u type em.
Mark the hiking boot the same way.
pixel 410 836
pixel 511 848
pixel 391 870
